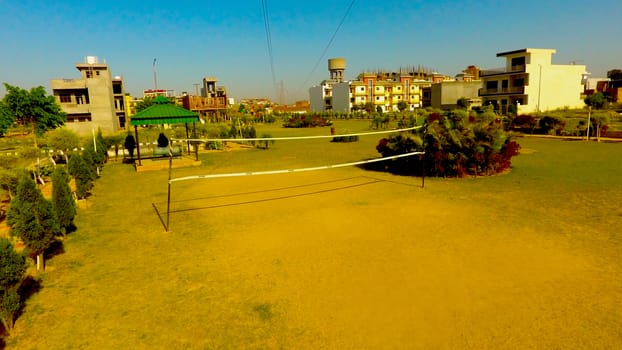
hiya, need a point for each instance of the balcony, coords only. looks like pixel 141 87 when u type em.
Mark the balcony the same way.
pixel 503 70
pixel 516 90
pixel 62 84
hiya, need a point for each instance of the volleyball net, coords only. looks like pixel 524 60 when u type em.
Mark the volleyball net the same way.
pixel 196 141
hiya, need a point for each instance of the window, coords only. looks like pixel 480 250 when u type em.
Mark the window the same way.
pixel 504 84
pixel 89 74
pixel 518 61
pixel 492 85
pixel 116 89
pixel 519 82
pixel 77 118
pixel 65 98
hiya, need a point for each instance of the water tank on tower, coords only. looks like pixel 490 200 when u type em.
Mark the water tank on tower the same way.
pixel 337 67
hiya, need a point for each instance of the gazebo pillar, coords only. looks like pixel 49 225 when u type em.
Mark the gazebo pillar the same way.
pixel 187 137
pixel 137 144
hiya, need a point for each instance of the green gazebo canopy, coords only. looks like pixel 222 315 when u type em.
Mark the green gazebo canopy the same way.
pixel 163 112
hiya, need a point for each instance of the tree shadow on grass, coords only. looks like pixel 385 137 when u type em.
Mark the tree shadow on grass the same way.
pixel 30 286
pixel 57 248
pixel 2 335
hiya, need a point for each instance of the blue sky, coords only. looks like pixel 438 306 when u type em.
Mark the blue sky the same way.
pixel 42 40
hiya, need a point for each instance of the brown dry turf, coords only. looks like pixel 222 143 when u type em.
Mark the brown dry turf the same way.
pixel 339 259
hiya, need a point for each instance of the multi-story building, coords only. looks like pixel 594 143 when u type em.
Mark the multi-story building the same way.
pixel 377 89
pixel 211 104
pixel 96 100
pixel 153 93
pixel 531 83
pixel 382 89
pixel 321 96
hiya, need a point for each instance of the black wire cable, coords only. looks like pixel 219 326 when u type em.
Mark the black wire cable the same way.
pixel 266 20
pixel 328 45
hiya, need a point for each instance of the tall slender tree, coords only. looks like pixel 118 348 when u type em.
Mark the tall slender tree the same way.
pixel 13 268
pixel 64 205
pixel 83 173
pixel 32 219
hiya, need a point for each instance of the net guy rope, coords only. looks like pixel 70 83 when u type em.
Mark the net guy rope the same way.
pixel 282 171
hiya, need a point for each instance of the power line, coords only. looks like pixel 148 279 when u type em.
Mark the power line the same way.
pixel 266 21
pixel 328 45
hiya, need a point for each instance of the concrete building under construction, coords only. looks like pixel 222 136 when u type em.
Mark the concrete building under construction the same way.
pixel 95 101
pixel 212 102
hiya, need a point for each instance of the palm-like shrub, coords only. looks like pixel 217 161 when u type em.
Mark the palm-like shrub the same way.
pixel 455 144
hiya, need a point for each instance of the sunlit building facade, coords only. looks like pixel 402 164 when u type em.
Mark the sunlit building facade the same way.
pixel 95 101
pixel 531 83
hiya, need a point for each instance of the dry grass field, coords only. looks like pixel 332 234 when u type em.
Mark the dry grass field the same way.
pixel 343 258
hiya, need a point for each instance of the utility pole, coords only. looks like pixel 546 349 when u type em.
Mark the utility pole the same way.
pixel 155 75
pixel 281 93
pixel 589 114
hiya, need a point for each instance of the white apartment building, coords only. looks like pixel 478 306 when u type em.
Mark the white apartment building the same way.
pixel 531 83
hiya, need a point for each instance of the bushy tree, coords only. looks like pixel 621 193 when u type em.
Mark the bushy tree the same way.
pixel 600 123
pixel 32 219
pixel 83 173
pixel 63 140
pixel 552 125
pixel 6 118
pixel 402 105
pixel 596 100
pixel 12 270
pixel 64 205
pixel 144 104
pixel 33 108
pixel 9 179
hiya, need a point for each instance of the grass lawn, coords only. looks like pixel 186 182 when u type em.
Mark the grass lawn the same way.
pixel 342 258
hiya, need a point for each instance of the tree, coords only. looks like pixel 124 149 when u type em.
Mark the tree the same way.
pixel 83 173
pixel 32 219
pixel 600 123
pixel 10 302
pixel 11 277
pixel 102 147
pixel 144 104
pixel 95 152
pixel 615 74
pixel 9 179
pixel 596 101
pixel 63 140
pixel 402 105
pixel 64 206
pixel 6 118
pixel 33 108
